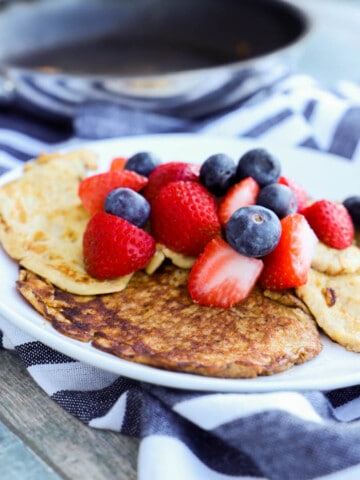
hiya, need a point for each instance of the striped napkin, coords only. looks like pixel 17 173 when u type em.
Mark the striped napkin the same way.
pixel 186 434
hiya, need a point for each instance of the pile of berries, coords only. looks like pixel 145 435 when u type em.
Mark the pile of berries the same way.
pixel 244 222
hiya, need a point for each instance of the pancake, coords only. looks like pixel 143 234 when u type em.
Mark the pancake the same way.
pixel 154 322
pixel 334 300
pixel 332 293
pixel 333 261
pixel 42 222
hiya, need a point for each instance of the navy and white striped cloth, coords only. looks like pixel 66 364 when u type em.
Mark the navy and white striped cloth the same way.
pixel 191 435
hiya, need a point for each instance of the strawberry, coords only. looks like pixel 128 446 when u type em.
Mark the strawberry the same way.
pixel 184 218
pixel 113 247
pixel 118 163
pixel 331 222
pixel 221 277
pixel 299 191
pixel 241 194
pixel 169 172
pixel 93 190
pixel 287 266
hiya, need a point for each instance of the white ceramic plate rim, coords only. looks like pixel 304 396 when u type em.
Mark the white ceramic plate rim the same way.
pixel 322 175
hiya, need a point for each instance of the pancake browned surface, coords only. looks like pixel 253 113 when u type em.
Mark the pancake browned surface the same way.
pixel 154 322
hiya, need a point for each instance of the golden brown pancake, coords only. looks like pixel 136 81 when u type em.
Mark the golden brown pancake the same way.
pixel 42 222
pixel 332 293
pixel 333 261
pixel 334 300
pixel 154 322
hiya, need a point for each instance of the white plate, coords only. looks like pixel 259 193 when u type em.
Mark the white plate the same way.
pixel 322 175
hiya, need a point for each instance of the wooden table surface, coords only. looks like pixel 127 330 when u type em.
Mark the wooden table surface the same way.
pixel 40 441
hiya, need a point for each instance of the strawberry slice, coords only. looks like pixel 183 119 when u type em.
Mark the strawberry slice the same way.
pixel 170 172
pixel 113 247
pixel 118 163
pixel 287 266
pixel 221 277
pixel 331 222
pixel 299 191
pixel 93 190
pixel 242 194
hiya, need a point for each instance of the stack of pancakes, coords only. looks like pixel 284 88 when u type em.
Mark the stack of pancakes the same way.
pixel 150 318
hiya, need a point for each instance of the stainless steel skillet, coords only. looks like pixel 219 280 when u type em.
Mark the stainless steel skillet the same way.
pixel 185 58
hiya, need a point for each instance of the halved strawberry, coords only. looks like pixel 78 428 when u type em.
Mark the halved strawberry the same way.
pixel 221 277
pixel 170 172
pixel 331 222
pixel 113 247
pixel 299 191
pixel 287 266
pixel 118 163
pixel 241 194
pixel 93 190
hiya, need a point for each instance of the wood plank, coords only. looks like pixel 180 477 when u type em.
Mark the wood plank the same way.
pixel 67 446
pixel 18 461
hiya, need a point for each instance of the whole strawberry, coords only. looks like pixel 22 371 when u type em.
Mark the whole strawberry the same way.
pixel 184 217
pixel 113 247
pixel 93 190
pixel 169 172
pixel 331 222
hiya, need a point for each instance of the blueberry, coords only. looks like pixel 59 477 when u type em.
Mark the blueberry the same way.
pixel 253 231
pixel 278 198
pixel 142 163
pixel 352 205
pixel 217 173
pixel 128 204
pixel 259 164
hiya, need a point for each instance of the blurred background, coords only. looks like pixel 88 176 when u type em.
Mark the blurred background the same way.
pixel 334 40
pixel 181 58
pixel 331 51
